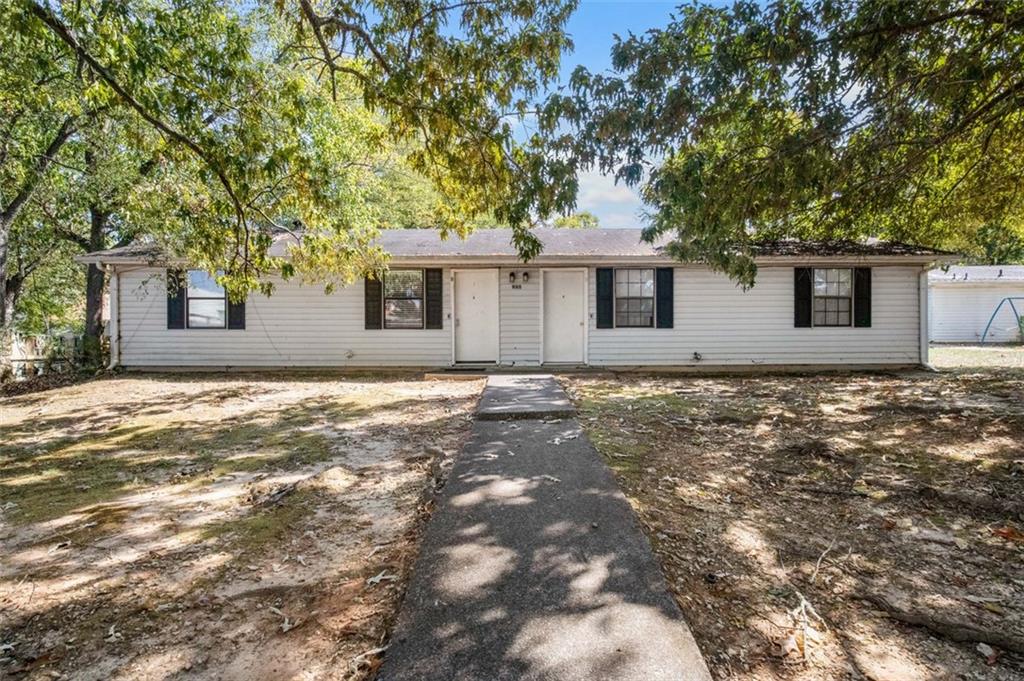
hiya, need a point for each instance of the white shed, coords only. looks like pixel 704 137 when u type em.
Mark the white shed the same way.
pixel 964 300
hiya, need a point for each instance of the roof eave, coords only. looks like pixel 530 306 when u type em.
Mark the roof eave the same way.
pixel 910 259
pixel 512 261
pixel 100 260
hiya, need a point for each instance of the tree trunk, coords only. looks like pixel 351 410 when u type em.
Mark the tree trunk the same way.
pixel 8 299
pixel 6 306
pixel 8 214
pixel 95 286
pixel 5 231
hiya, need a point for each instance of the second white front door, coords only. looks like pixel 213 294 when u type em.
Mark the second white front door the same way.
pixel 476 316
pixel 564 316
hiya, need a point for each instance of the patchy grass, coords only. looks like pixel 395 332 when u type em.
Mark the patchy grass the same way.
pixel 253 531
pixel 827 527
pixel 214 527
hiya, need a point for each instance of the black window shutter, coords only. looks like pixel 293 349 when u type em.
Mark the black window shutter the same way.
pixel 663 291
pixel 605 297
pixel 803 280
pixel 433 283
pixel 374 304
pixel 175 299
pixel 236 315
pixel 862 296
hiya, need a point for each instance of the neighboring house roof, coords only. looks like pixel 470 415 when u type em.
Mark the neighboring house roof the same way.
pixel 978 274
pixel 135 251
pixel 559 244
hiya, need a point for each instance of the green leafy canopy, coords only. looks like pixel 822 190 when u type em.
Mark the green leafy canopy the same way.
pixel 810 118
pixel 269 116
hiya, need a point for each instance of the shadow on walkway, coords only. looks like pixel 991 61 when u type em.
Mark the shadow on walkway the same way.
pixel 533 567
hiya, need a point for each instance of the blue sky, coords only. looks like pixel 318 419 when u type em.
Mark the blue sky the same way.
pixel 593 28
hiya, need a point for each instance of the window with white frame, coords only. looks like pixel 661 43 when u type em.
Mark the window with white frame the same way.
pixel 634 297
pixel 833 296
pixel 206 301
pixel 403 299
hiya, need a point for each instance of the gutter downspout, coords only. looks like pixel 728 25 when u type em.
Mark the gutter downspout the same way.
pixel 923 303
pixel 114 326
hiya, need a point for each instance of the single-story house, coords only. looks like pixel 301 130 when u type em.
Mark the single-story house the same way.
pixel 594 297
pixel 964 301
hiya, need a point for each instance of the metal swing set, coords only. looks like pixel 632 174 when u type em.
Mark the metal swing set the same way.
pixel 1016 314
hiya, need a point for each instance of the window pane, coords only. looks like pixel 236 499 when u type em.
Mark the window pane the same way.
pixel 403 284
pixel 206 313
pixel 832 281
pixel 203 285
pixel 819 283
pixel 832 296
pixel 403 314
pixel 634 297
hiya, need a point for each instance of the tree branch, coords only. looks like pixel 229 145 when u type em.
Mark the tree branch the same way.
pixel 43 162
pixel 64 33
pixel 899 29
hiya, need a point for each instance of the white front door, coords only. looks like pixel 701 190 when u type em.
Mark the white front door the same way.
pixel 476 316
pixel 564 315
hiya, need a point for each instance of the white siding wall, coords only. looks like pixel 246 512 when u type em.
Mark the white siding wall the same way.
pixel 726 325
pixel 296 326
pixel 959 313
pixel 520 318
pixel 301 326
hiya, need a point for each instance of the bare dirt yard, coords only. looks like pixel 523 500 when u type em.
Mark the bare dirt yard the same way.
pixel 832 526
pixel 212 527
pixel 976 356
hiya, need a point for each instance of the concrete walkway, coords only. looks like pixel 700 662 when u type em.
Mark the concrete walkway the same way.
pixel 533 565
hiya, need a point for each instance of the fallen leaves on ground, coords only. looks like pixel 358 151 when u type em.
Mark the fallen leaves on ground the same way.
pixel 889 503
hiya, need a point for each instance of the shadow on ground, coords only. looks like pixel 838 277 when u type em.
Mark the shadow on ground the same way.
pixel 151 528
pixel 533 567
pixel 889 503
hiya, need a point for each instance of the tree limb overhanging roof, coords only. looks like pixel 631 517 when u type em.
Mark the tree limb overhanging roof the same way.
pixel 559 243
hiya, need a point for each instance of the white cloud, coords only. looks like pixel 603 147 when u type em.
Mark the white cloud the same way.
pixel 596 188
pixel 615 205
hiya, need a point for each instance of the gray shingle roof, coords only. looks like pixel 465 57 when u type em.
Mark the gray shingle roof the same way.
pixel 978 274
pixel 498 243
pixel 836 247
pixel 140 250
pixel 558 243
